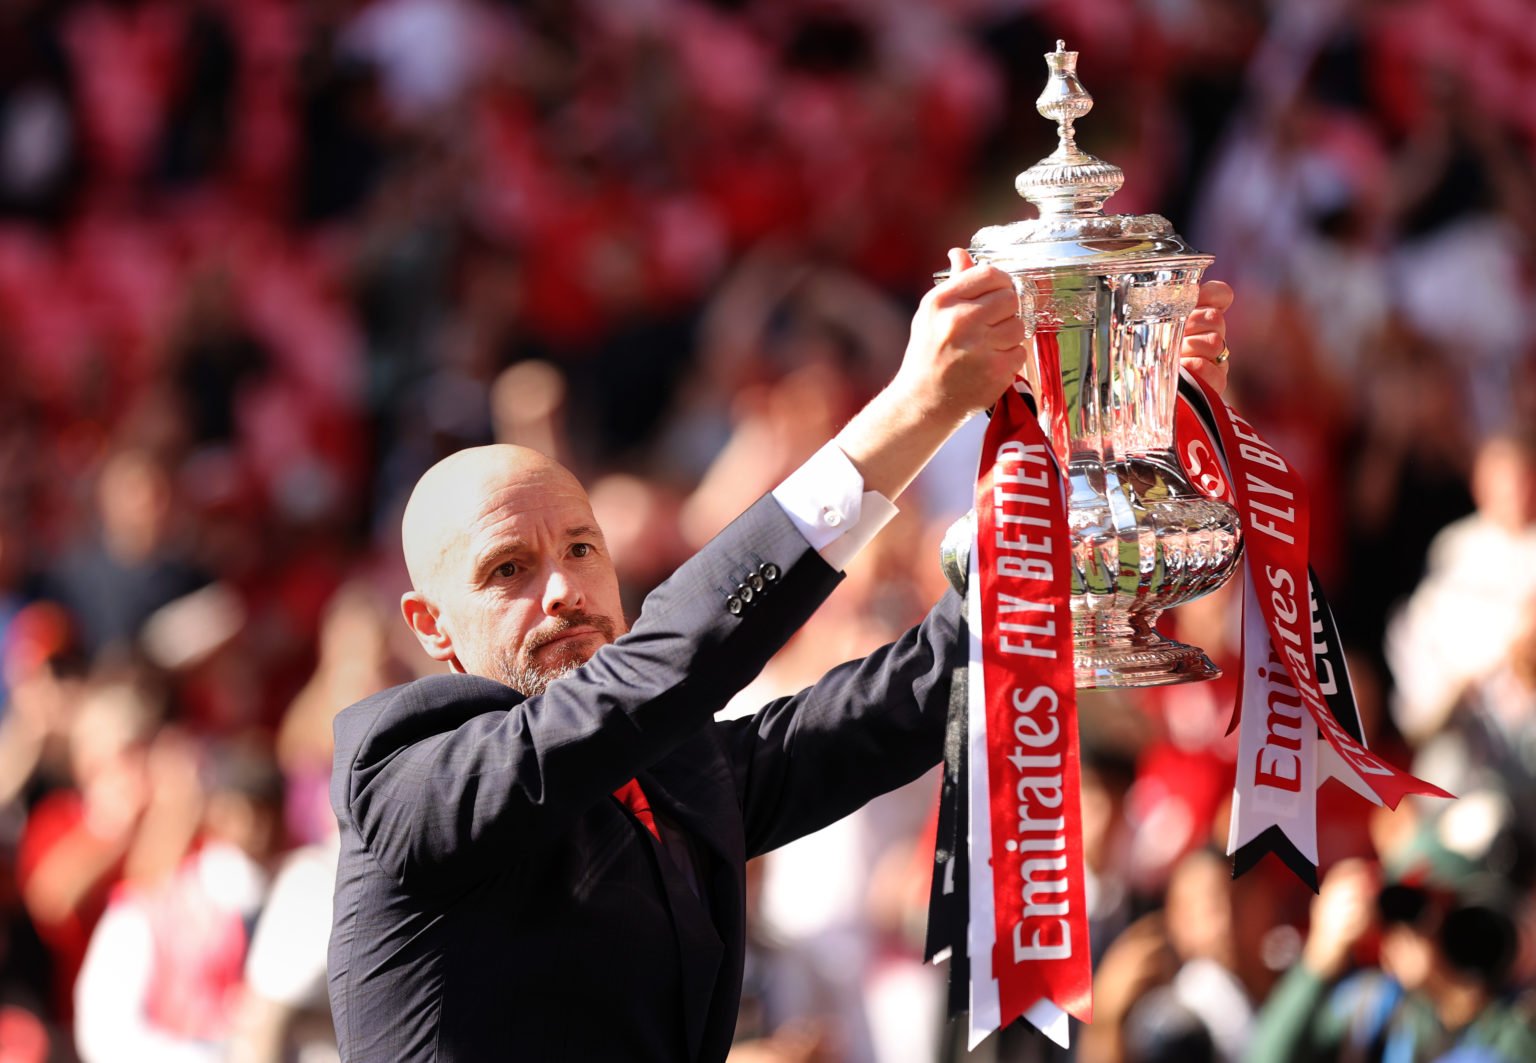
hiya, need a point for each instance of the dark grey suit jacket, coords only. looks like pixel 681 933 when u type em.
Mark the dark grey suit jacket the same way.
pixel 495 902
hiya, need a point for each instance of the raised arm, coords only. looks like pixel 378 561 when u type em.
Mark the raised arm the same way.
pixel 965 348
pixel 512 582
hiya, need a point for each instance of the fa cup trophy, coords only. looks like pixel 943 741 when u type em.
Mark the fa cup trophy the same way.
pixel 1104 298
pixel 1086 528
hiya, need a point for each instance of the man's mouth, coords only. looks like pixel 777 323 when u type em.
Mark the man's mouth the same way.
pixel 572 628
pixel 565 636
pixel 531 670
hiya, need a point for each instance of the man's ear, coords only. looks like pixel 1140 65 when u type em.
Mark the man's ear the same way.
pixel 421 617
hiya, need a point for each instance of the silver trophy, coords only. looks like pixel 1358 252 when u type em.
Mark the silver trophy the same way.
pixel 1104 298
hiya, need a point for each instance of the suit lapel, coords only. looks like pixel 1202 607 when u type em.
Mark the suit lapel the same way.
pixel 692 787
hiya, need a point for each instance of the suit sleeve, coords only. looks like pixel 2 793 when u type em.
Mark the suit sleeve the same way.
pixel 865 728
pixel 447 773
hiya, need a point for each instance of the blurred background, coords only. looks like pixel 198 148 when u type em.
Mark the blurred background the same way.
pixel 262 262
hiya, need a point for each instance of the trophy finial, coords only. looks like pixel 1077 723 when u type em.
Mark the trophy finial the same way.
pixel 1069 181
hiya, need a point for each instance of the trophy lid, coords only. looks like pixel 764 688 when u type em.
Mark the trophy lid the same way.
pixel 1068 188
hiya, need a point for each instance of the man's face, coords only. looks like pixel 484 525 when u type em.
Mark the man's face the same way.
pixel 529 592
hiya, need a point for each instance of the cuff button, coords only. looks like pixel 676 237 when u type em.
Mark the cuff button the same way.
pixel 733 605
pixel 769 570
pixel 745 592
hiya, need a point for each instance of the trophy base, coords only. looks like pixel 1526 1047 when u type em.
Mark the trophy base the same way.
pixel 1108 655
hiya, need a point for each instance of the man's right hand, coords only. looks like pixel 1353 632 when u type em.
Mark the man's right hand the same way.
pixel 965 348
pixel 966 343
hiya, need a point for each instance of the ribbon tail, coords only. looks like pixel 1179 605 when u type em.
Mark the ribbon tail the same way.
pixel 1050 1020
pixel 1273 840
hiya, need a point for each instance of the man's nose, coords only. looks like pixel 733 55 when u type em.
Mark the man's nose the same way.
pixel 561 592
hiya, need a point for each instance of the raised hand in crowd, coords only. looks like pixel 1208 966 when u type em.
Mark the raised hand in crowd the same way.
pixel 1343 912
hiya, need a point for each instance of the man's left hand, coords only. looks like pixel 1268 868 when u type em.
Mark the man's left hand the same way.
pixel 1204 351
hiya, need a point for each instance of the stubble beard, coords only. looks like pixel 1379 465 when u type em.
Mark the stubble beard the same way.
pixel 518 669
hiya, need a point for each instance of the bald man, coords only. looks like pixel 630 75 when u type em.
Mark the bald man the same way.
pixel 543 850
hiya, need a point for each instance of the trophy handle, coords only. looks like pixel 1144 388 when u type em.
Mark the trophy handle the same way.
pixel 955 551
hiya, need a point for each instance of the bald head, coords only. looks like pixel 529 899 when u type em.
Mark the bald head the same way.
pixel 511 576
pixel 453 495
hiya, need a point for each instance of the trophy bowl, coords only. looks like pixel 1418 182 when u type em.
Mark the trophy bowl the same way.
pixel 1104 299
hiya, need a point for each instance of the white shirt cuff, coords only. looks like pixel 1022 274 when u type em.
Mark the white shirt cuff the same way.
pixel 826 501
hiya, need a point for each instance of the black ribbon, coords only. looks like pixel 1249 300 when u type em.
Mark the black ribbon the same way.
pixel 949 893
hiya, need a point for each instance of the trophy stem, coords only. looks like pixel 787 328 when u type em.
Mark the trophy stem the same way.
pixel 1125 650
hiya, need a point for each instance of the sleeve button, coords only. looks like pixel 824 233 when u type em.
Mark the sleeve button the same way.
pixel 745 592
pixel 733 605
pixel 770 571
pixel 756 581
pixel 831 516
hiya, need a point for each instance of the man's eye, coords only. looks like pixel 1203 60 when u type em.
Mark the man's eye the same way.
pixel 506 569
pixel 581 549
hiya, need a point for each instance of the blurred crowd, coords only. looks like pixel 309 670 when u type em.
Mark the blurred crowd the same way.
pixel 262 262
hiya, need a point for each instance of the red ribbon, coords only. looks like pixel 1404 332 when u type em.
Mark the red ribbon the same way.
pixel 1025 583
pixel 1274 506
